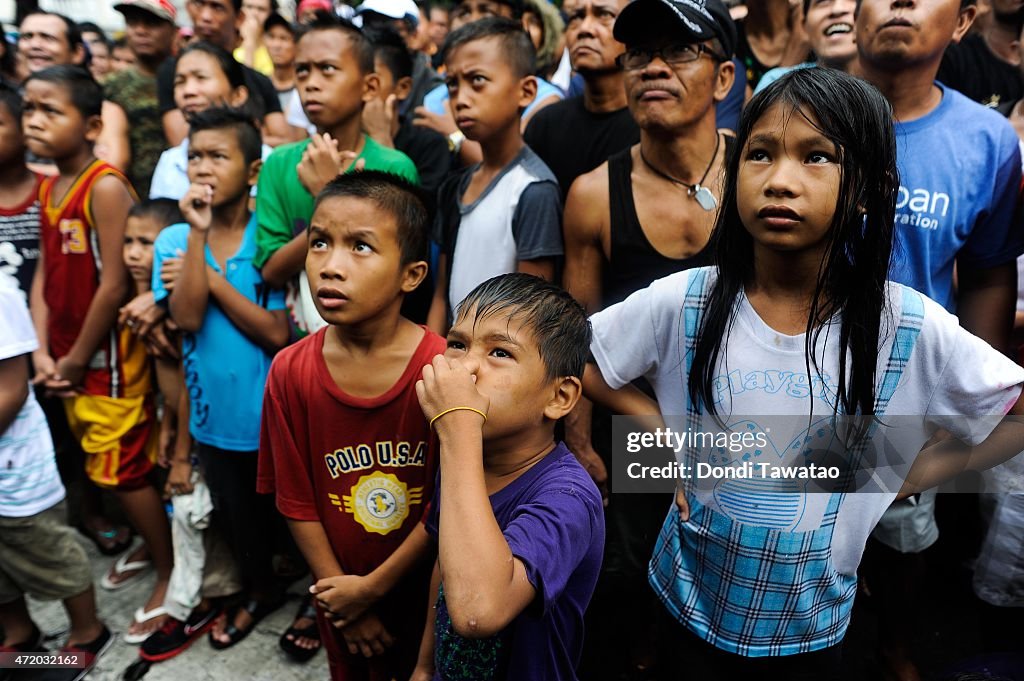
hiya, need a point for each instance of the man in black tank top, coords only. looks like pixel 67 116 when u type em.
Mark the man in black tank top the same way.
pixel 642 215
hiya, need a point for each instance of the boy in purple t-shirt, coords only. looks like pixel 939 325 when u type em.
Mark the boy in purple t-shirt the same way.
pixel 519 522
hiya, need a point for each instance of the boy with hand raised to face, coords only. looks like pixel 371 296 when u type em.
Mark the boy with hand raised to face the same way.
pixel 519 522
pixel 334 74
pixel 344 446
pixel 233 323
pixel 504 214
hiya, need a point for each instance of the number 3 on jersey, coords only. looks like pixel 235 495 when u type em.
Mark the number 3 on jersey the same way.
pixel 72 237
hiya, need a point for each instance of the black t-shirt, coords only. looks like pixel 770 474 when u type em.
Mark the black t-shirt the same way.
pixel 263 98
pixel 573 141
pixel 977 73
pixel 427 149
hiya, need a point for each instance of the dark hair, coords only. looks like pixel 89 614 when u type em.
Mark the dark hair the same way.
pixel 233 71
pixel 328 21
pixel 514 42
pixel 165 211
pixel 389 48
pixel 559 323
pixel 963 4
pixel 9 59
pixel 276 19
pixel 89 27
pixel 85 93
pixel 857 119
pixel 71 30
pixel 392 194
pixel 373 19
pixel 10 97
pixel 239 120
pixel 515 5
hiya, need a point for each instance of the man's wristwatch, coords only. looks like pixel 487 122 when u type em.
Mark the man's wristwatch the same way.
pixel 455 141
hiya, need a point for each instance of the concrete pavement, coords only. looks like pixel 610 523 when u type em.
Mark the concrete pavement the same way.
pixel 258 657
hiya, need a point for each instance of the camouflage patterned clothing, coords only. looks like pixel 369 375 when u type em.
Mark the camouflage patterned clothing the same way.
pixel 136 94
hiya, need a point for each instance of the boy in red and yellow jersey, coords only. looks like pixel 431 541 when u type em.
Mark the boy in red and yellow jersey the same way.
pixel 344 445
pixel 102 373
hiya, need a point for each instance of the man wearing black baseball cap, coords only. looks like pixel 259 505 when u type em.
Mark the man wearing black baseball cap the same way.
pixel 644 214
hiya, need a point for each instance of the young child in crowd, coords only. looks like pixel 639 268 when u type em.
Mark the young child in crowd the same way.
pixel 205 75
pixel 39 553
pixel 505 213
pixel 762 584
pixel 382 117
pixel 188 615
pixel 344 447
pixel 437 113
pixel 519 522
pixel 233 323
pixel 145 222
pixel 102 372
pixel 19 195
pixel 335 78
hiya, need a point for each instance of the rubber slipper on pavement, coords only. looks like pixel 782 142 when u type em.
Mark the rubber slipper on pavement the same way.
pixel 141 617
pixel 123 566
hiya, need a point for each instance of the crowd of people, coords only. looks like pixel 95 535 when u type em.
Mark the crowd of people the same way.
pixel 275 285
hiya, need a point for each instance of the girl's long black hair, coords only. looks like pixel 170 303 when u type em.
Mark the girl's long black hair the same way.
pixel 855 117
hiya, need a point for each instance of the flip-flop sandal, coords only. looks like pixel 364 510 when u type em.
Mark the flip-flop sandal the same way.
pixel 141 617
pixel 312 631
pixel 123 565
pixel 257 611
pixel 97 537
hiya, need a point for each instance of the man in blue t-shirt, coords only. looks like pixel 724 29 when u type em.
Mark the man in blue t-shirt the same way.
pixel 960 176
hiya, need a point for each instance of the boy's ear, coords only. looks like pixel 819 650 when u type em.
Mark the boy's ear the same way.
pixel 413 275
pixel 371 87
pixel 568 390
pixel 93 128
pixel 527 91
pixel 403 88
pixel 254 171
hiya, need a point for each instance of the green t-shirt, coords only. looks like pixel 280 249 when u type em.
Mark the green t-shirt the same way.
pixel 284 207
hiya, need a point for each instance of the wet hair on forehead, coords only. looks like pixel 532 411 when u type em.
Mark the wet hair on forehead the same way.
pixel 557 321
pixel 857 120
pixel 85 93
pixel 514 43
pixel 393 194
pixel 361 46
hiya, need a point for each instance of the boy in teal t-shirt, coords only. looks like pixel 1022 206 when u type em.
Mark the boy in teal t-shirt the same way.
pixel 335 78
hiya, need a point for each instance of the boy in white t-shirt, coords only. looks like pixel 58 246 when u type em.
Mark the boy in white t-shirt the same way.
pixel 504 214
pixel 39 553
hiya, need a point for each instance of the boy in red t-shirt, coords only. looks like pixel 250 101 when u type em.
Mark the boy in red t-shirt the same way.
pixel 344 445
